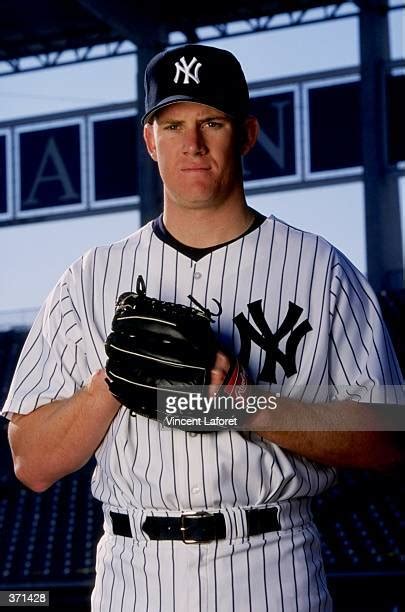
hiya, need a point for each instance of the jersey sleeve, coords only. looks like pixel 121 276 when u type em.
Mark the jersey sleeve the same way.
pixel 362 361
pixel 52 364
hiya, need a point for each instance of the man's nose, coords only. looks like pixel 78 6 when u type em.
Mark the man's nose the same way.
pixel 194 142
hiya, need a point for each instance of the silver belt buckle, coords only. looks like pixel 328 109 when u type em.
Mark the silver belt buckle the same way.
pixel 183 526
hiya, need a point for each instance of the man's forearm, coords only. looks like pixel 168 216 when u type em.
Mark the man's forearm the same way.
pixel 60 437
pixel 340 434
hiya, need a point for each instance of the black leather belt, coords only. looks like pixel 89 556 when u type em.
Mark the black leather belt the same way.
pixel 196 526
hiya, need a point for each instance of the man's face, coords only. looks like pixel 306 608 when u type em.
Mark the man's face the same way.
pixel 197 153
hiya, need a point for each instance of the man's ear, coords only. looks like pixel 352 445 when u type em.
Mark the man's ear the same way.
pixel 149 139
pixel 249 134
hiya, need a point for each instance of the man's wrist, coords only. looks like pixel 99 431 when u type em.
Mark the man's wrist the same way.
pixel 98 393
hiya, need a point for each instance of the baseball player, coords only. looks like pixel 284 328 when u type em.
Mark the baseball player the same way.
pixel 210 521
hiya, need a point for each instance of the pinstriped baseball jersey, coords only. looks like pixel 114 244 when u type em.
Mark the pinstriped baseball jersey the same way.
pixel 325 328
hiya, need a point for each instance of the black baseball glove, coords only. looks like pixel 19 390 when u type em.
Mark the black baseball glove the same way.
pixel 157 347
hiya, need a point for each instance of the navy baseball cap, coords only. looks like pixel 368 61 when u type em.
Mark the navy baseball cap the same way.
pixel 196 73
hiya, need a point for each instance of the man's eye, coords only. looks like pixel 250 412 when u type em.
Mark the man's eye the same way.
pixel 214 124
pixel 171 127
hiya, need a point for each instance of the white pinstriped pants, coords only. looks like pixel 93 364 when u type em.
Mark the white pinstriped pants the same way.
pixel 275 572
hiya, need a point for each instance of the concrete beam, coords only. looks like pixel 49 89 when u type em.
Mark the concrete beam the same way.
pixel 381 191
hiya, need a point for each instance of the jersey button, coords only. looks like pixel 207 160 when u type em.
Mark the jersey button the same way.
pixel 193 434
pixel 197 275
pixel 195 490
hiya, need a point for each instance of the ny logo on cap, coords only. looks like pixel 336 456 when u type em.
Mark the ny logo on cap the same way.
pixel 185 68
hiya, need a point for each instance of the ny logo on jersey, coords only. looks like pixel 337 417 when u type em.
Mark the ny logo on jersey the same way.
pixel 183 67
pixel 269 342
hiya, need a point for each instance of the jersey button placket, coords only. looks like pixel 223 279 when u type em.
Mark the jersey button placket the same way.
pixel 195 489
pixel 195 473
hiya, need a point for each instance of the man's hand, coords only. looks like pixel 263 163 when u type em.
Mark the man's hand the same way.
pixel 228 377
pixel 219 372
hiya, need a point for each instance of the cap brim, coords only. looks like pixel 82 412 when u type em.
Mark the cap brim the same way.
pixel 172 100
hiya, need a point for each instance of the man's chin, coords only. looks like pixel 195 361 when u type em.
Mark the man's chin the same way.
pixel 198 202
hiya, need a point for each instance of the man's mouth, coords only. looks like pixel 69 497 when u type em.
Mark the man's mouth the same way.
pixel 195 169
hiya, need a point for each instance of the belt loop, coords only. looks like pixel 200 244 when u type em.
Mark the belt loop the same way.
pixel 138 520
pixel 244 526
pixel 229 527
